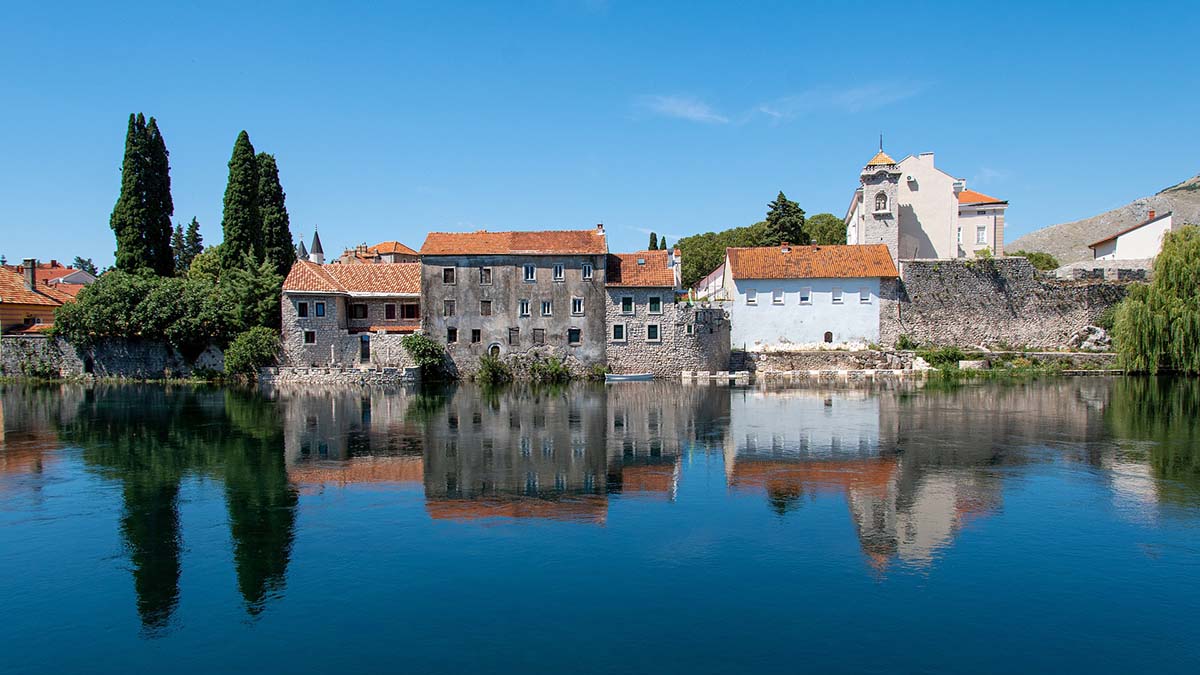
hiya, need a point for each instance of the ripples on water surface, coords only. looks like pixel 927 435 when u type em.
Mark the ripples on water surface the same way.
pixel 641 527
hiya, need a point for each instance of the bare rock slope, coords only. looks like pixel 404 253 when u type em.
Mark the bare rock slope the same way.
pixel 1069 241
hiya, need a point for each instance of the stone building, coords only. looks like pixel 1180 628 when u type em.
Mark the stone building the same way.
pixel 649 329
pixel 920 211
pixel 516 295
pixel 346 315
pixel 387 252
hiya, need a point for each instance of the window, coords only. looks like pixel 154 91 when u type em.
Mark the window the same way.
pixel 960 235
pixel 447 275
pixel 476 336
pixel 560 273
pixel 302 310
pixel 485 308
pixel 751 297
pixel 514 336
pixel 410 310
pixel 881 201
pixel 547 308
pixel 539 336
pixel 981 234
pixel 320 307
pixel 981 213
pixel 447 308
pixel 577 306
pixel 690 329
pixel 523 307
pixel 652 334
pixel 485 276
pixel 806 296
pixel 310 338
pixel 530 273
pixel 837 295
pixel 627 304
pixel 864 296
pixel 358 311
pixel 654 304
pixel 451 335
pixel 574 336
pixel 618 332
pixel 828 336
pixel 389 312
pixel 364 348
pixel 777 296
pixel 586 271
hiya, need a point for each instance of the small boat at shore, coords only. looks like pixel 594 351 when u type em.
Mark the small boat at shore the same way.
pixel 628 377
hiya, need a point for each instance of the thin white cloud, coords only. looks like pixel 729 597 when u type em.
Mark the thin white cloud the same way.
pixel 848 100
pixel 682 107
pixel 988 175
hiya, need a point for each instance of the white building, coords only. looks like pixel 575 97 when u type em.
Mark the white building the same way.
pixel 920 211
pixel 789 297
pixel 1139 242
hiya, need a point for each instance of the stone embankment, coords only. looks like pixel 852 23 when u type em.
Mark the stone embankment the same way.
pixel 332 375
pixel 42 356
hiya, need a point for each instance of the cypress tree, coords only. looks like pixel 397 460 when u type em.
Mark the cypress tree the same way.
pixel 653 241
pixel 193 243
pixel 785 222
pixel 177 248
pixel 662 244
pixel 159 205
pixel 130 210
pixel 242 221
pixel 278 249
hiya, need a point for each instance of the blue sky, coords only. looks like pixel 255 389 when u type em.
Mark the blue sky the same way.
pixel 391 121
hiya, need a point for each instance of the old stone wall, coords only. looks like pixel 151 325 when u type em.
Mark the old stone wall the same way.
pixel 831 359
pixel 1003 301
pixel 337 375
pixel 137 359
pixel 690 338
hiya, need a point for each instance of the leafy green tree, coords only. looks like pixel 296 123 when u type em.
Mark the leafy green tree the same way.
pixel 1039 260
pixel 278 247
pixel 242 218
pixel 653 241
pixel 251 295
pixel 703 253
pixel 825 229
pixel 251 350
pixel 1157 325
pixel 141 219
pixel 785 222
pixel 429 356
pixel 85 265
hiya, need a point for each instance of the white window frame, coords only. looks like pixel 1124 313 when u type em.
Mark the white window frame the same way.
pixel 576 301
pixel 836 295
pixel 806 295
pixel 632 305
pixel 650 307
pixel 690 329
pixel 778 297
pixel 529 273
pixel 523 307
pixel 547 308
pixel 560 272
pixel 864 296
pixel 751 296
pixel 612 334
pixel 657 331
pixel 981 234
pixel 585 272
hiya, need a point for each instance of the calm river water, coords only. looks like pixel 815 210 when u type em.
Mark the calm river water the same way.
pixel 643 527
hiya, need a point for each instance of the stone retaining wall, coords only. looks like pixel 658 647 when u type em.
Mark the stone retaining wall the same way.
pixel 1002 301
pixel 38 355
pixel 834 360
pixel 333 375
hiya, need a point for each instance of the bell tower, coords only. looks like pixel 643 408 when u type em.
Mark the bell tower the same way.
pixel 880 180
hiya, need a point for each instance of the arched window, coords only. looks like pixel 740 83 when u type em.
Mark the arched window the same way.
pixel 494 350
pixel 828 336
pixel 881 202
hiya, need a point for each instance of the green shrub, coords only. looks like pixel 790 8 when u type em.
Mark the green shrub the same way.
pixel 429 356
pixel 549 370
pixel 493 371
pixel 1108 317
pixel 943 357
pixel 254 349
pixel 906 343
pixel 1041 261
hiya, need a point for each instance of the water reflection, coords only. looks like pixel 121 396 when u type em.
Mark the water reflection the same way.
pixel 911 468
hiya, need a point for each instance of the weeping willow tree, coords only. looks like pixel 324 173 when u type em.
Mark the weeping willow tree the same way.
pixel 1157 326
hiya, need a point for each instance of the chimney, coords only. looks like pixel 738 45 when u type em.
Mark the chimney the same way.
pixel 785 247
pixel 1151 215
pixel 29 267
pixel 53 263
pixel 600 228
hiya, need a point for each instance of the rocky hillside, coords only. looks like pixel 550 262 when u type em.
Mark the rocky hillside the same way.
pixel 1068 241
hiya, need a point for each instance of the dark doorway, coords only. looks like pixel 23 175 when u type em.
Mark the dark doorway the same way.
pixel 364 349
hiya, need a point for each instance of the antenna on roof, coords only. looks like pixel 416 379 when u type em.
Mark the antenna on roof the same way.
pixel 881 141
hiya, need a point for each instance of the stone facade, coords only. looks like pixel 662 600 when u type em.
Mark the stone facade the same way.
pixel 137 359
pixel 989 302
pixel 338 339
pixel 881 226
pixel 690 338
pixel 536 335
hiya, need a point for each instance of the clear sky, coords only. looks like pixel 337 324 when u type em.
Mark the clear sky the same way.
pixel 393 119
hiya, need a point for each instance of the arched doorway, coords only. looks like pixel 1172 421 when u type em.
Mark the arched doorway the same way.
pixel 494 350
pixel 828 336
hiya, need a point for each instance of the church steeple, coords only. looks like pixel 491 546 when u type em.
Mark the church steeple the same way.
pixel 316 253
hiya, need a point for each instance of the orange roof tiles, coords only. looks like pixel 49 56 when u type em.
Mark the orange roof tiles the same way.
pixel 388 247
pixel 881 158
pixel 399 279
pixel 812 262
pixel 587 509
pixel 623 269
pixel 545 242
pixel 13 291
pixel 973 197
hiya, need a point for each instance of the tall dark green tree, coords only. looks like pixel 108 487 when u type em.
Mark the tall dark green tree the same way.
pixel 653 241
pixel 177 249
pixel 141 218
pixel 86 265
pixel 242 220
pixel 193 244
pixel 785 222
pixel 278 248
pixel 662 244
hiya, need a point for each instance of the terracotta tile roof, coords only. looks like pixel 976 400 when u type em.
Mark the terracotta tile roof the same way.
pixel 623 270
pixel 585 509
pixel 973 197
pixel 13 291
pixel 812 262
pixel 403 469
pixel 401 278
pixel 881 158
pixel 46 271
pixel 1130 229
pixel 387 247
pixel 412 328
pixel 31 329
pixel 545 242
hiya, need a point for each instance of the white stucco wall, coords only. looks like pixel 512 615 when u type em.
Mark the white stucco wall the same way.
pixel 928 210
pixel 1144 242
pixel 803 423
pixel 767 326
pixel 970 220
